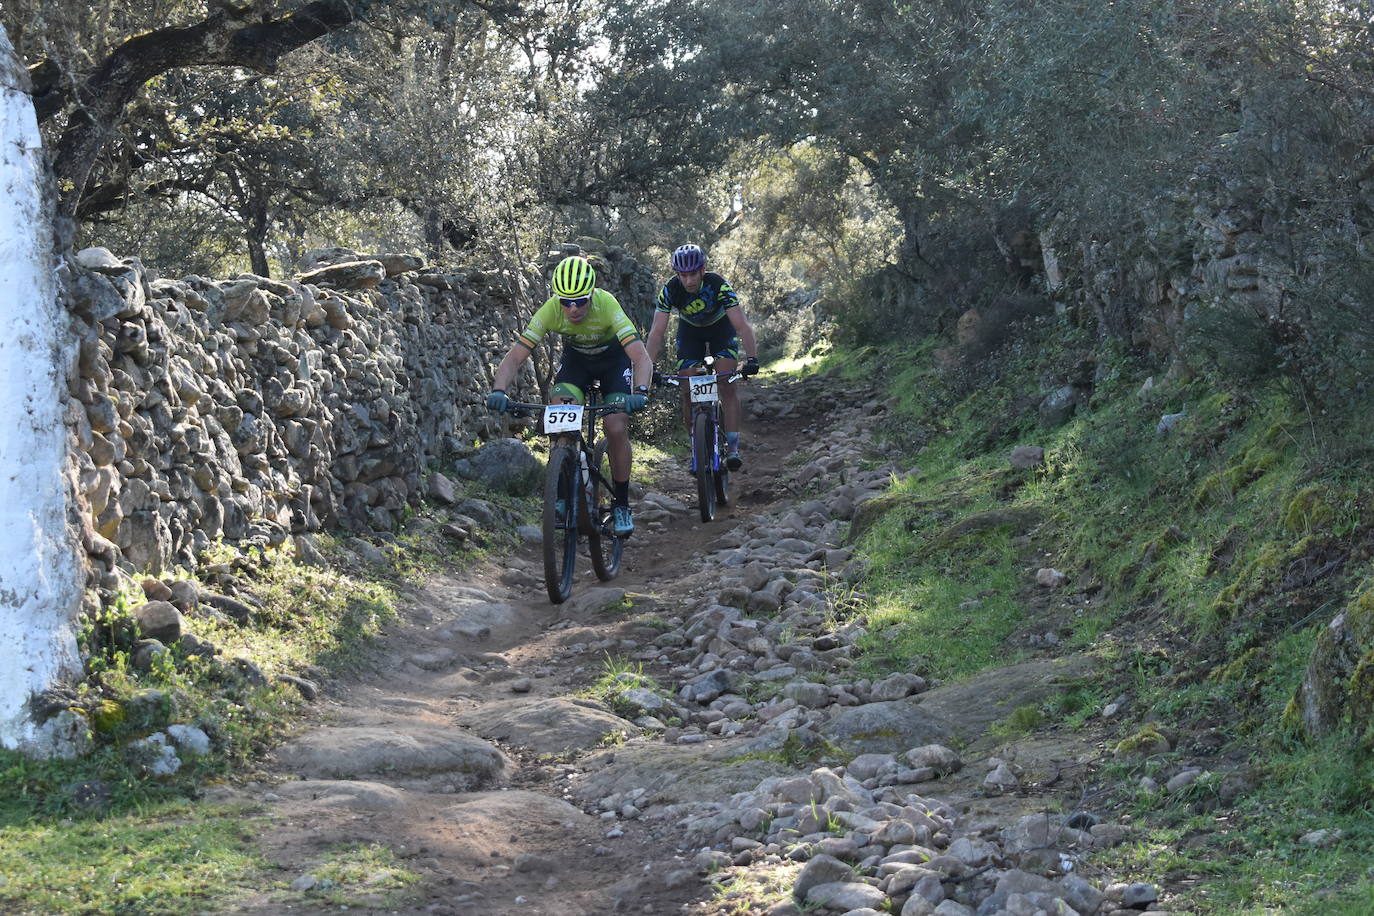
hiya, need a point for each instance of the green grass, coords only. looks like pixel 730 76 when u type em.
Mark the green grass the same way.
pixel 1247 857
pixel 937 605
pixel 168 858
pixel 309 616
pixel 617 676
pixel 363 875
pixel 98 834
pixel 1192 547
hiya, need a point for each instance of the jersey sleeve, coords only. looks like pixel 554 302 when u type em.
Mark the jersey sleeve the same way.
pixel 663 304
pixel 624 328
pixel 726 297
pixel 538 326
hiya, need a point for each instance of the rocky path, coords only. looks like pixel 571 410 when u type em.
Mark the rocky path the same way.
pixel 736 762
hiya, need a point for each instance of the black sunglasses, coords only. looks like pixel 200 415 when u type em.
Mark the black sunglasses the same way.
pixel 575 303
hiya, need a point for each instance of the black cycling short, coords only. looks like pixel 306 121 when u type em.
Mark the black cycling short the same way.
pixel 694 343
pixel 611 367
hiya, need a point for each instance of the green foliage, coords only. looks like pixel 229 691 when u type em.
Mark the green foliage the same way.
pixel 1076 704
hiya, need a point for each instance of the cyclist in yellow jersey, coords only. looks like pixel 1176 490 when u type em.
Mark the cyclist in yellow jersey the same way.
pixel 599 342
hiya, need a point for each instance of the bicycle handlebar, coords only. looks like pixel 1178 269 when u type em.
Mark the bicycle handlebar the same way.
pixel 677 380
pixel 523 409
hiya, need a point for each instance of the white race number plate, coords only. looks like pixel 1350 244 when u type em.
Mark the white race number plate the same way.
pixel 562 418
pixel 704 389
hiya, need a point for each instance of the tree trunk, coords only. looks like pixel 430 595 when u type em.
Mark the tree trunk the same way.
pixel 434 234
pixel 40 569
pixel 257 237
pixel 911 214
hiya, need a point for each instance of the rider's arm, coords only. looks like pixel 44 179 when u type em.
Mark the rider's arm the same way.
pixel 643 366
pixel 510 364
pixel 525 343
pixel 744 330
pixel 656 333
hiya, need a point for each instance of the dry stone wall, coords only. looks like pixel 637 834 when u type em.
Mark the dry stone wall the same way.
pixel 255 409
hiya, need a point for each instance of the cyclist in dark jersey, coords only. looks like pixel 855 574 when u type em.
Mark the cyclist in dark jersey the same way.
pixel 710 322
pixel 599 342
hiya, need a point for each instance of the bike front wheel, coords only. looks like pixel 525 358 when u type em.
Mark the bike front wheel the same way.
pixel 703 448
pixel 605 548
pixel 560 522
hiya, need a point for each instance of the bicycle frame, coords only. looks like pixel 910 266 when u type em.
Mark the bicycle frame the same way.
pixel 574 438
pixel 574 490
pixel 707 466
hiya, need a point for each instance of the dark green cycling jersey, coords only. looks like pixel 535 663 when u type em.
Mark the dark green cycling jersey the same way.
pixel 605 324
pixel 704 307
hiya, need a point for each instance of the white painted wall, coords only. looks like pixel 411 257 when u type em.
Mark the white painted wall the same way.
pixel 40 588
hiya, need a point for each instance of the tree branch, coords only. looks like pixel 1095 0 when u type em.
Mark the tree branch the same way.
pixel 225 38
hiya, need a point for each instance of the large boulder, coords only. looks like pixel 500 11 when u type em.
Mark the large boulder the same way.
pixel 1339 680
pixel 505 466
pixel 885 728
pixel 348 275
pixel 548 726
pixel 331 753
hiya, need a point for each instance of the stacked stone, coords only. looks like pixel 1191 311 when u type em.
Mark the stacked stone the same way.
pixel 255 409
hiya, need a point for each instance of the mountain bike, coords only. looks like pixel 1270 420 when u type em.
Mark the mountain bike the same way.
pixel 577 492
pixel 708 439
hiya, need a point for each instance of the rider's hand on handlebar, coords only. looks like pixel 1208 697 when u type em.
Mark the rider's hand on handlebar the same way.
pixel 497 401
pixel 751 367
pixel 636 402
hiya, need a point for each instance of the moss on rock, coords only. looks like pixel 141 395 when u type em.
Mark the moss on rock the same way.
pixel 1307 510
pixel 1254 578
pixel 1149 740
pixel 107 716
pixel 1237 668
pixel 1338 685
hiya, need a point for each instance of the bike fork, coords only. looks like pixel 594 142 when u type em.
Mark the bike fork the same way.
pixel 714 457
pixel 692 438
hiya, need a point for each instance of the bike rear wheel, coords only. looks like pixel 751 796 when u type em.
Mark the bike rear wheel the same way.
pixel 605 548
pixel 703 447
pixel 560 528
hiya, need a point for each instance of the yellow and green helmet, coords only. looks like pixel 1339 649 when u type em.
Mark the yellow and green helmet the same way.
pixel 573 278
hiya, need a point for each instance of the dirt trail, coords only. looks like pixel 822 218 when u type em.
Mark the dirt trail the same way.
pixel 516 845
pixel 407 756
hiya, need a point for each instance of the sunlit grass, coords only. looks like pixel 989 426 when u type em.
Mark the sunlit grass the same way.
pixel 795 365
pixel 308 616
pixel 170 858
pixel 363 874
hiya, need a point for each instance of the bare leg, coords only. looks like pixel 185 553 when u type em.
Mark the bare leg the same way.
pixel 729 397
pixel 618 449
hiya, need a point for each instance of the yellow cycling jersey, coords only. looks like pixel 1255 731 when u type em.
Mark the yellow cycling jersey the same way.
pixel 605 324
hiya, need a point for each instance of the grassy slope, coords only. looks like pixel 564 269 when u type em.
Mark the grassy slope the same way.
pixel 100 835
pixel 1188 556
